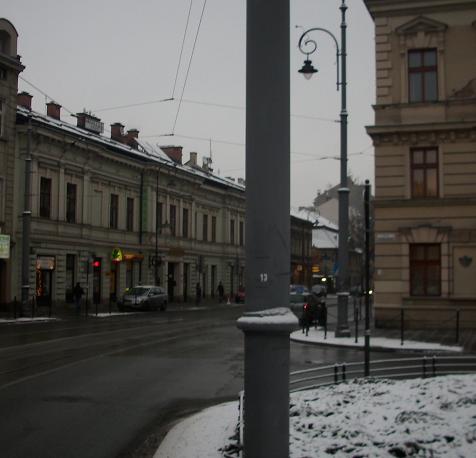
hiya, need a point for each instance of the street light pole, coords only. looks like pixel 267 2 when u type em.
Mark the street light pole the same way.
pixel 156 258
pixel 26 230
pixel 367 279
pixel 308 46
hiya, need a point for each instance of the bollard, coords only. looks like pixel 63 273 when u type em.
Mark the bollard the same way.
pixel 15 308
pixel 356 321
pixel 402 321
pixel 433 365
pixel 336 373
pixel 32 307
pixel 325 330
pixel 343 372
pixel 424 367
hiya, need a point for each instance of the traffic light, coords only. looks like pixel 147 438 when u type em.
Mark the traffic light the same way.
pixel 97 264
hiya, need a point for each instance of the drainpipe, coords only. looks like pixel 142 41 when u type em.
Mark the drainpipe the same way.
pixel 26 229
pixel 141 213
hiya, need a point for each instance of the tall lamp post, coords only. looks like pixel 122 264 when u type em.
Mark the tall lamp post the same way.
pixel 308 46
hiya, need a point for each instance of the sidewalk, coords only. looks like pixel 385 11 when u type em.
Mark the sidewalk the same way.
pixel 65 311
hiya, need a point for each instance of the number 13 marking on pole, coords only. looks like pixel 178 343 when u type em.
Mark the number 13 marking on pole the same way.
pixel 263 278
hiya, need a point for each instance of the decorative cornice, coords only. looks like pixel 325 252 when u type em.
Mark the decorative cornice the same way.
pixel 416 134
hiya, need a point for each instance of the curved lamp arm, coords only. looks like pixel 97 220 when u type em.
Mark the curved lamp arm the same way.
pixel 308 46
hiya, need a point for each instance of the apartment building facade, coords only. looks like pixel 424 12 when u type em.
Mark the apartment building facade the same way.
pixel 112 212
pixel 425 161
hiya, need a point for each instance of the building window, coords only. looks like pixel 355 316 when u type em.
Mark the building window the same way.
pixel 158 217
pixel 185 222
pixel 70 202
pixel 69 281
pixel 422 75
pixel 425 269
pixel 424 172
pixel 130 214
pixel 242 233
pixel 45 197
pixel 173 220
pixel 232 231
pixel 214 228
pixel 114 211
pixel 2 199
pixel 2 117
pixel 205 228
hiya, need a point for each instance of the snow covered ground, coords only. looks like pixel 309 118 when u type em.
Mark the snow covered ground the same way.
pixel 433 417
pixel 23 320
pixel 317 337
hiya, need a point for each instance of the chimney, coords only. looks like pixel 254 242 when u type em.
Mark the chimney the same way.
pixel 117 131
pixel 24 100
pixel 132 135
pixel 90 122
pixel 174 152
pixel 53 110
pixel 193 159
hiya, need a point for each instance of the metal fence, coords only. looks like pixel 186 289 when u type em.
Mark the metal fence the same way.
pixel 397 368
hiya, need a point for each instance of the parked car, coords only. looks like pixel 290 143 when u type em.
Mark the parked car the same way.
pixel 319 289
pixel 297 302
pixel 298 289
pixel 145 298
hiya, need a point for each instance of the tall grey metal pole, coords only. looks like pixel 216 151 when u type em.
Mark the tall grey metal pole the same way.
pixel 156 258
pixel 367 278
pixel 268 320
pixel 26 225
pixel 308 46
pixel 342 328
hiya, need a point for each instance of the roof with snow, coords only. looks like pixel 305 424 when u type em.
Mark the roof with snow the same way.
pixel 146 151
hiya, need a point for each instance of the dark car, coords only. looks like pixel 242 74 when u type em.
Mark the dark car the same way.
pixel 319 289
pixel 297 302
pixel 145 298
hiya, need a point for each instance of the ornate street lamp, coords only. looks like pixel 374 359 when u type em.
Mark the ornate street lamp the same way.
pixel 308 46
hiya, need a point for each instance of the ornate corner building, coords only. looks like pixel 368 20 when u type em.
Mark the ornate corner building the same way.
pixel 10 67
pixel 425 161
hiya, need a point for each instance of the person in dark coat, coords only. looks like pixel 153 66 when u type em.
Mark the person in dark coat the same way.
pixel 221 292
pixel 77 295
pixel 198 293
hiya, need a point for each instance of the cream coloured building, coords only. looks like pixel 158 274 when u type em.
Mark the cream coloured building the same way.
pixel 112 211
pixel 425 161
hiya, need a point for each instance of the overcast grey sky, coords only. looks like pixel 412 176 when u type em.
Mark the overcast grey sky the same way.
pixel 94 55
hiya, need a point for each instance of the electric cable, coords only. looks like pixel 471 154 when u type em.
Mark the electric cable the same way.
pixel 189 65
pixel 181 49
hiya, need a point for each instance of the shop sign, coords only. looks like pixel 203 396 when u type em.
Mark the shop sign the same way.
pixel 45 263
pixel 117 255
pixel 4 246
pixel 133 256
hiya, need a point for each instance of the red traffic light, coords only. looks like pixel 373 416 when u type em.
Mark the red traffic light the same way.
pixel 97 264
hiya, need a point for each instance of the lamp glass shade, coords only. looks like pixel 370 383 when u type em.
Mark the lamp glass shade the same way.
pixel 307 69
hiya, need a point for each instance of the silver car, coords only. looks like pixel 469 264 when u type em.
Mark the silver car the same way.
pixel 145 298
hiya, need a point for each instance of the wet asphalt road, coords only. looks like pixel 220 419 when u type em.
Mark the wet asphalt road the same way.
pixel 112 387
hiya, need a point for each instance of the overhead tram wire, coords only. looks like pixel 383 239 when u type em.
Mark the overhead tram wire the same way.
pixel 189 65
pixel 44 94
pixel 209 104
pixel 181 49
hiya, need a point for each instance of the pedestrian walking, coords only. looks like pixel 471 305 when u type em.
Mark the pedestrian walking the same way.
pixel 198 293
pixel 221 292
pixel 77 295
